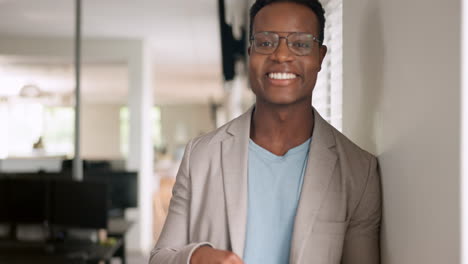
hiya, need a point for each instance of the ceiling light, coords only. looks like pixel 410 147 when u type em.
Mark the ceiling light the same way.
pixel 30 91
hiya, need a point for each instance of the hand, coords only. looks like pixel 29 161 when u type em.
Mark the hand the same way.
pixel 209 255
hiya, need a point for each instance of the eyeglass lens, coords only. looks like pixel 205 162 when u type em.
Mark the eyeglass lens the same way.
pixel 299 43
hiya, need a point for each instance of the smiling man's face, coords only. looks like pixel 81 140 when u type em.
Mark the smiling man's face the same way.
pixel 282 77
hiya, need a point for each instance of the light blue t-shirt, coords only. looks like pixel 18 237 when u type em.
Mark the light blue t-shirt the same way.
pixel 274 188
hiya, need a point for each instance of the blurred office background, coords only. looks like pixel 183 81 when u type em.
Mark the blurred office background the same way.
pixel 155 74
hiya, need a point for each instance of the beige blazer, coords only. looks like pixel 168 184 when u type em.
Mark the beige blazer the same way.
pixel 338 216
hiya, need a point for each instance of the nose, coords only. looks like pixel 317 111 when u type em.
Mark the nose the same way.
pixel 282 52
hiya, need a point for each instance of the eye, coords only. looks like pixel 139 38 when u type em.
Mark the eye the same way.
pixel 266 44
pixel 301 45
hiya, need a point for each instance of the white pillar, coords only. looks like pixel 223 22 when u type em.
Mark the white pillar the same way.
pixel 140 155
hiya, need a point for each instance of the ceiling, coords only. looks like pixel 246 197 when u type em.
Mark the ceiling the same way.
pixel 185 42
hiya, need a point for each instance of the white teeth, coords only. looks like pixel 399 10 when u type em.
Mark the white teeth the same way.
pixel 282 75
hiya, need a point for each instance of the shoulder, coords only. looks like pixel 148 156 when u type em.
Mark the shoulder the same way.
pixel 347 146
pixel 358 169
pixel 211 140
pixel 352 158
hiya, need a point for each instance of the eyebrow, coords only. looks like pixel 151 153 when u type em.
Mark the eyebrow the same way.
pixel 286 32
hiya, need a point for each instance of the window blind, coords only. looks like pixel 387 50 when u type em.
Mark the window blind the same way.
pixel 328 92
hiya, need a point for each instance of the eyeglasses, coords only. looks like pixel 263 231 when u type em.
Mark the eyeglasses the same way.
pixel 299 43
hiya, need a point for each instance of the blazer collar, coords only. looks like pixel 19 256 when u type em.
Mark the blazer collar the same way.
pixel 320 167
pixel 234 159
pixel 318 173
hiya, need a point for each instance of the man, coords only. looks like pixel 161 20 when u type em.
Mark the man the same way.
pixel 278 184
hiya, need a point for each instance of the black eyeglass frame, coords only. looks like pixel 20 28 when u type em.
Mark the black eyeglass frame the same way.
pixel 314 38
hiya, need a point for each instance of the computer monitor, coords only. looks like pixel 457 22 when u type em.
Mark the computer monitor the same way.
pixel 27 201
pixel 39 176
pixel 4 215
pixel 79 204
pixel 123 187
pixel 124 190
pixel 101 165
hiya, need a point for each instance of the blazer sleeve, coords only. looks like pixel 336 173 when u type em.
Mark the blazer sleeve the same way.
pixel 173 246
pixel 361 244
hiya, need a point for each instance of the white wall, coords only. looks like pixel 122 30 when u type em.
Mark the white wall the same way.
pixel 100 131
pixel 180 123
pixel 401 101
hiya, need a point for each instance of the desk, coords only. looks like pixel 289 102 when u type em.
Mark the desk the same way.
pixel 79 252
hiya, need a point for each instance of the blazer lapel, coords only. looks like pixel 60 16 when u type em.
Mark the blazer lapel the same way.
pixel 234 167
pixel 320 166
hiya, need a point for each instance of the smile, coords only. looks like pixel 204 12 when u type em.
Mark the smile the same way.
pixel 282 75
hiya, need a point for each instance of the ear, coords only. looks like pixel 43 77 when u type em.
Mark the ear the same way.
pixel 322 53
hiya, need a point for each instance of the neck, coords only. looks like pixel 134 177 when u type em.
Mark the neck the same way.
pixel 279 128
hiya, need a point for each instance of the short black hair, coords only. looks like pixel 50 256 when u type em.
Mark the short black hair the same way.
pixel 314 5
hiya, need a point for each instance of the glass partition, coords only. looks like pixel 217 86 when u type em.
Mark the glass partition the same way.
pixel 36 79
